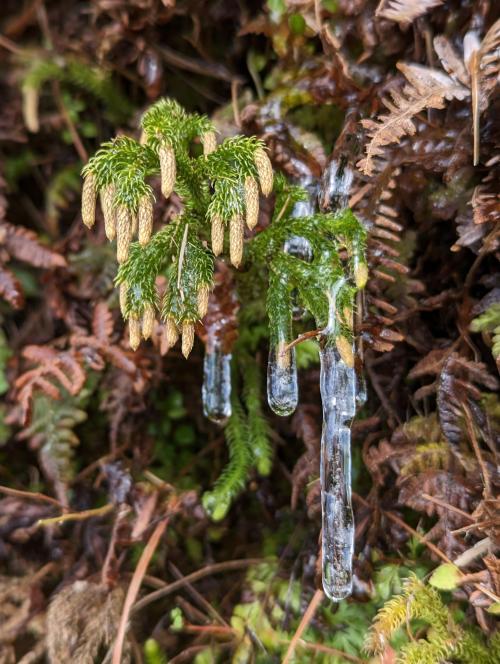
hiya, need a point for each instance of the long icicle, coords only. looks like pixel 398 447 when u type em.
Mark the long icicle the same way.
pixel 338 395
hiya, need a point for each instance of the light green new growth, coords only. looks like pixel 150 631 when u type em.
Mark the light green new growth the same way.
pixel 444 638
pixel 78 74
pixel 489 321
pixel 218 188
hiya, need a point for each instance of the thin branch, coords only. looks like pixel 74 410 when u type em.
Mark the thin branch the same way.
pixel 75 137
pixel 447 506
pixel 18 493
pixel 216 568
pixel 134 587
pixel 235 84
pixel 315 602
pixel 302 337
pixel 76 516
pixel 477 451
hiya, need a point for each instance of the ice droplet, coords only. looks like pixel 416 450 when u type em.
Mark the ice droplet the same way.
pixel 216 389
pixel 338 395
pixel 282 384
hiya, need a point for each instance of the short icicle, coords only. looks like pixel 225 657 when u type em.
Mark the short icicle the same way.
pixel 216 389
pixel 219 310
pixel 282 383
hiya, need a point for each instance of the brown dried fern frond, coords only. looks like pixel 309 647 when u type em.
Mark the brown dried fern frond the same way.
pixel 485 200
pixel 24 245
pixel 98 347
pixel 405 11
pixel 375 202
pixel 55 371
pixel 426 88
pixel 489 61
pixel 10 288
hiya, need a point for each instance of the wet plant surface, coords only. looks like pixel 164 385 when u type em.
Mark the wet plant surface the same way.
pixel 306 191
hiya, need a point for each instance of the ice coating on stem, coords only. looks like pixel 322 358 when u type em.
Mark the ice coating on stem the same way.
pixel 282 384
pixel 298 246
pixel 216 388
pixel 338 395
pixel 336 184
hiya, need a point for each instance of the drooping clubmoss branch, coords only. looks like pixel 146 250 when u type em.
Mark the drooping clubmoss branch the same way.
pixel 218 189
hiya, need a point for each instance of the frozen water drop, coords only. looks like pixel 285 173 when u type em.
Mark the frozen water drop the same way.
pixel 338 395
pixel 282 385
pixel 216 389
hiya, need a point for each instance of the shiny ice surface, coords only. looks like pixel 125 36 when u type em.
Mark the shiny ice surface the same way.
pixel 338 395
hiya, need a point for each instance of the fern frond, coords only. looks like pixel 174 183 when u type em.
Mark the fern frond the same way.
pixel 51 429
pixel 233 477
pixel 405 11
pixel 25 246
pixel 92 80
pixel 426 88
pixel 258 427
pixel 56 372
pixel 489 62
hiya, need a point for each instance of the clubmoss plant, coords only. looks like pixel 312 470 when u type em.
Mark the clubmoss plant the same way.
pixel 219 186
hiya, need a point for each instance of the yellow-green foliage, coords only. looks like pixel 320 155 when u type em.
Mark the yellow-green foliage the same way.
pixel 444 638
pixel 489 321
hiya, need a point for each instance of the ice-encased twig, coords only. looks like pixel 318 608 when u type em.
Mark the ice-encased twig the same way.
pixel 338 395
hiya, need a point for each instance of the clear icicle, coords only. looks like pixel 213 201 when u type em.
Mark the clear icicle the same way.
pixel 338 394
pixel 216 389
pixel 282 384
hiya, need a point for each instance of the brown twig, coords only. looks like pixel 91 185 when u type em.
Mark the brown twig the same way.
pixel 18 493
pixel 235 84
pixel 477 451
pixel 306 619
pixel 198 597
pixel 75 137
pixel 216 568
pixel 134 587
pixel 302 337
pixel 9 45
pixel 446 505
pixel 99 462
pixel 77 516
pixel 319 647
